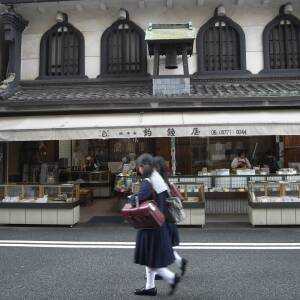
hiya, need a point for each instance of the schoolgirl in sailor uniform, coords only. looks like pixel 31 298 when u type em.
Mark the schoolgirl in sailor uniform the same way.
pixel 153 246
pixel 159 165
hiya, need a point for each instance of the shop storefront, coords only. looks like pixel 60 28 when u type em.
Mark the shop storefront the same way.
pixel 58 165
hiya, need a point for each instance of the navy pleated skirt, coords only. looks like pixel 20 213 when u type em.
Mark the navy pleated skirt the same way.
pixel 154 246
pixel 174 235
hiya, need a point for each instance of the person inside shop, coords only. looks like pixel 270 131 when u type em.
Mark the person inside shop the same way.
pixel 89 164
pixel 269 161
pixel 241 161
pixel 132 163
pixel 128 163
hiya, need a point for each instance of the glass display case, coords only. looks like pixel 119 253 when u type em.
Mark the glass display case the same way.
pixel 274 192
pixel 224 194
pixel 274 203
pixel 231 183
pixel 65 193
pixel 40 204
pixel 188 187
pixel 124 184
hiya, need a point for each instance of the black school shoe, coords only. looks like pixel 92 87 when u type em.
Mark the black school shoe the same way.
pixel 144 292
pixel 174 285
pixel 183 266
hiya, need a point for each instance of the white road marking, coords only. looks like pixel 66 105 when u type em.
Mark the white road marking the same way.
pixel 66 242
pixel 131 245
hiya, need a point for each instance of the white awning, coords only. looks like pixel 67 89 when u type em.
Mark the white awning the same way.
pixel 137 125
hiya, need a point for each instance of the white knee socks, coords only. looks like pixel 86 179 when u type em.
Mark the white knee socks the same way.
pixel 150 278
pixel 178 259
pixel 166 274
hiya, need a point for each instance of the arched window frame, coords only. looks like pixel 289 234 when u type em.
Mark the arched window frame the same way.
pixel 266 46
pixel 43 52
pixel 200 45
pixel 104 49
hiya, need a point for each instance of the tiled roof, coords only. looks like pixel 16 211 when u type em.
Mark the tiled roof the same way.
pixel 249 89
pixel 131 95
pixel 73 93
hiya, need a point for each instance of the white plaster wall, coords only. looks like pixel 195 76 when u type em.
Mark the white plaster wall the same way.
pixel 252 16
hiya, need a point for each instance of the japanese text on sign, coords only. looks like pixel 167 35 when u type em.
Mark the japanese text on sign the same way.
pixel 171 132
pixel 147 132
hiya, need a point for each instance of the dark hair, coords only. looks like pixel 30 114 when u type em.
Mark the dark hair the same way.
pixel 146 162
pixel 160 166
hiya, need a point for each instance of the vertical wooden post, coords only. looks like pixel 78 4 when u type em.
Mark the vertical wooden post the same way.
pixel 156 62
pixel 41 191
pixel 282 189
pixel 173 155
pixel 186 192
pixel 71 156
pixel 77 192
pixel 185 62
pixel 7 162
pixel 202 192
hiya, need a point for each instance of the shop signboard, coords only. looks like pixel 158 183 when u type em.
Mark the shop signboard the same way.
pixel 175 131
pixel 149 125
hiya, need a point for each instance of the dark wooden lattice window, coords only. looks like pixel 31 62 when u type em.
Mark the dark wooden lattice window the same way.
pixel 123 49
pixel 4 55
pixel 221 46
pixel 281 39
pixel 62 52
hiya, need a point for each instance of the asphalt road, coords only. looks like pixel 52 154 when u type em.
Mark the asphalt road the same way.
pixel 66 273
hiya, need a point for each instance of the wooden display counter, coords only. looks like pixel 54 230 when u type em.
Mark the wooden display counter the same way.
pixel 274 203
pixel 274 213
pixel 40 213
pixel 194 205
pixel 195 213
pixel 40 204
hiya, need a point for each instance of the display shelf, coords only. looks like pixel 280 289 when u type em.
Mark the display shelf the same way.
pixel 274 203
pixel 194 203
pixel 40 204
pixel 98 181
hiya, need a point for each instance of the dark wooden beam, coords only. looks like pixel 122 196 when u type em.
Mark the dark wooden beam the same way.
pixel 156 62
pixel 30 1
pixel 185 62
